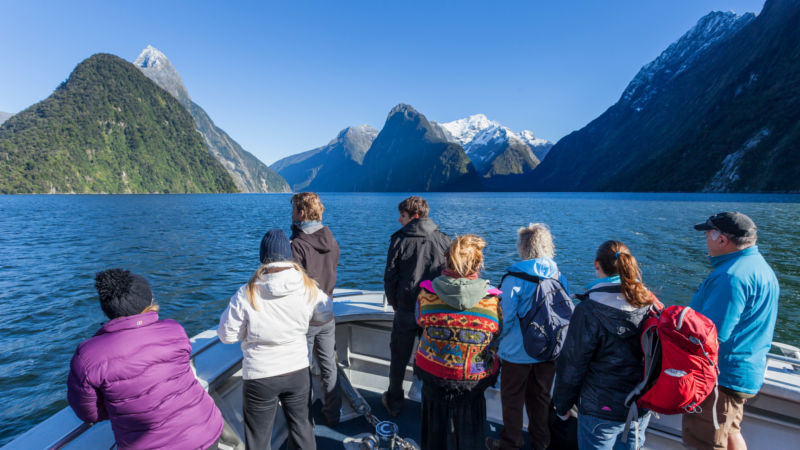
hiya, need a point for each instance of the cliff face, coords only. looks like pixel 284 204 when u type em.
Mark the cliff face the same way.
pixel 247 171
pixel 717 111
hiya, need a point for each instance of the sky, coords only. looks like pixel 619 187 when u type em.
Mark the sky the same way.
pixel 286 77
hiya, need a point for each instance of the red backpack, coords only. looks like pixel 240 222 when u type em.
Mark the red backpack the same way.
pixel 680 364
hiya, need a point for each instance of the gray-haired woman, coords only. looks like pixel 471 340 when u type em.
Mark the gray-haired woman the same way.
pixel 525 381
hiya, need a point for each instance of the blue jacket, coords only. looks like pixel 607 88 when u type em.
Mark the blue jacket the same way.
pixel 515 301
pixel 741 297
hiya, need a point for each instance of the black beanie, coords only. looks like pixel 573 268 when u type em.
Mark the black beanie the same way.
pixel 122 293
pixel 275 247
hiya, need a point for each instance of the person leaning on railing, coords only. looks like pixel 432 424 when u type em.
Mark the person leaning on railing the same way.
pixel 135 371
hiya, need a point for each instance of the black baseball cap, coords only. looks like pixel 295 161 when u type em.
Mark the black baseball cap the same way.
pixel 733 223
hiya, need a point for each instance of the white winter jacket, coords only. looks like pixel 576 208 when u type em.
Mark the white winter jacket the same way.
pixel 274 336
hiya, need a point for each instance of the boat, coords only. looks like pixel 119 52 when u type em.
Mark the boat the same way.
pixel 363 329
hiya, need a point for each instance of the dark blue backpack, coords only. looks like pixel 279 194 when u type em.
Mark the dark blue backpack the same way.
pixel 544 327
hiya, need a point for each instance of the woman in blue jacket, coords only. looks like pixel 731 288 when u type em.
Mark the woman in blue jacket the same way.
pixel 525 381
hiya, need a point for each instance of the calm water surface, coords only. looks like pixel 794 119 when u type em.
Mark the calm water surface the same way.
pixel 196 250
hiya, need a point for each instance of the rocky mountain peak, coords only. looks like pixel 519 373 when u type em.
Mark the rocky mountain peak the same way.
pixel 681 54
pixel 155 65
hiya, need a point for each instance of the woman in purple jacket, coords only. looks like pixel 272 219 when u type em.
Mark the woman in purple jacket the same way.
pixel 135 372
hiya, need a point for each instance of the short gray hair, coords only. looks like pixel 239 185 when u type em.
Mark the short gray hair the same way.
pixel 742 242
pixel 535 241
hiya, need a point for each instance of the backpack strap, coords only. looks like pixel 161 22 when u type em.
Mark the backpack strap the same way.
pixel 613 289
pixel 522 276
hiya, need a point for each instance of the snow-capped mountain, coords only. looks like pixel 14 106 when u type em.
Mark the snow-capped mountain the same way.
pixel 157 67
pixel 485 141
pixel 247 171
pixel 681 54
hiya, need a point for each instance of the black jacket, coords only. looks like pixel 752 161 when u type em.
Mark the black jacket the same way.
pixel 602 359
pixel 416 254
pixel 318 253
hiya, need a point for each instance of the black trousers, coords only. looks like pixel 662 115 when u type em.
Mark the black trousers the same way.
pixel 528 385
pixel 261 401
pixel 404 331
pixel 453 419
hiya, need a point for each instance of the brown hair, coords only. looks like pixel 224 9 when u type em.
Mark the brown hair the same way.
pixel 309 203
pixel 414 205
pixel 615 258
pixel 465 254
pixel 308 282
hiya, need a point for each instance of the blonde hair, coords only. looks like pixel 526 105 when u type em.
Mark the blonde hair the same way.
pixel 465 254
pixel 535 241
pixel 310 204
pixel 308 282
pixel 615 258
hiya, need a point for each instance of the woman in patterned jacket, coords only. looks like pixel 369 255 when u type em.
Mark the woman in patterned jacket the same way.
pixel 457 358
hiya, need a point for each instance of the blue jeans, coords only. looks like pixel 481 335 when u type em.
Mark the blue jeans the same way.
pixel 602 434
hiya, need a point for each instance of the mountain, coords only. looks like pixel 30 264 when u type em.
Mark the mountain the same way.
pixel 247 171
pixel 107 128
pixel 716 111
pixel 411 154
pixel 495 149
pixel 329 168
pixel 4 116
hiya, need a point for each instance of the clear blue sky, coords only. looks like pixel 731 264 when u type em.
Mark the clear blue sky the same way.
pixel 285 77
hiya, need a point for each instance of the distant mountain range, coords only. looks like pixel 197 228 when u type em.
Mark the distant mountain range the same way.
pixel 4 116
pixel 107 128
pixel 327 168
pixel 717 111
pixel 493 150
pixel 249 173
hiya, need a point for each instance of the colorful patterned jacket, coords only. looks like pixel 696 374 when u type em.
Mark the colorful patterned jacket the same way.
pixel 460 330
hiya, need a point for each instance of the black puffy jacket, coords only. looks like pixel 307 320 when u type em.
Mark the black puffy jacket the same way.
pixel 416 254
pixel 602 359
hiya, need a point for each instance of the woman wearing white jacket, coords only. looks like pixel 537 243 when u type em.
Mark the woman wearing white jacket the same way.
pixel 270 315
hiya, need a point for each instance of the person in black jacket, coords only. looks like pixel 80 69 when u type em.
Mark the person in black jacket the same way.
pixel 416 253
pixel 602 359
pixel 315 249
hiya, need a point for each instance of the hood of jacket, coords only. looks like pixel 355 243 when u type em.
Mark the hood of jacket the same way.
pixel 321 240
pixel 280 284
pixel 540 267
pixel 613 314
pixel 460 293
pixel 419 227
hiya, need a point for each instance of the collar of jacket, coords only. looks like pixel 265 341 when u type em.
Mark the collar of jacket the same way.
pixel 613 279
pixel 460 293
pixel 419 227
pixel 128 322
pixel 721 259
pixel 308 226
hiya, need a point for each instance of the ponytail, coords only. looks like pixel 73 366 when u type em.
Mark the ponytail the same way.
pixel 309 283
pixel 615 258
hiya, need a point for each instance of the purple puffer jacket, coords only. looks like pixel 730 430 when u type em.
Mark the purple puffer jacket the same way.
pixel 135 372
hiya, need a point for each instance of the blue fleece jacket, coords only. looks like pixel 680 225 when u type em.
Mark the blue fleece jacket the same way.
pixel 741 297
pixel 515 301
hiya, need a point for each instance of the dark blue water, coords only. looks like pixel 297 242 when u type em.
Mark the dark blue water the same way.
pixel 196 250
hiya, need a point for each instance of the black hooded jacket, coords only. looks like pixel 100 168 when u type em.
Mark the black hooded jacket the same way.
pixel 416 254
pixel 318 253
pixel 602 360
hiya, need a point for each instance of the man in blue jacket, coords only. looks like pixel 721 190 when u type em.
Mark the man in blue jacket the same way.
pixel 741 297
